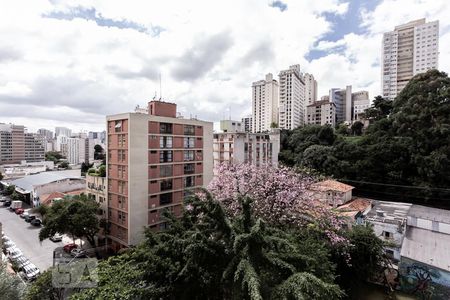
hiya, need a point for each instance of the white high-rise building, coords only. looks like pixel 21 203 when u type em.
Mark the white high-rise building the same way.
pixel 292 98
pixel 410 49
pixel 310 88
pixel 247 123
pixel 75 150
pixel 264 103
pixel 63 131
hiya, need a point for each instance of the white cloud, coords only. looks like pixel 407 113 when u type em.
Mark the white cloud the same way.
pixel 74 72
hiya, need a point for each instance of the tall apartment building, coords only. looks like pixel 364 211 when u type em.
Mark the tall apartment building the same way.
pixel 348 104
pixel 16 145
pixel 310 88
pixel 63 131
pixel 80 150
pixel 61 144
pixel 34 148
pixel 96 190
pixel 292 98
pixel 244 147
pixel 48 134
pixel 321 113
pixel 410 49
pixel 264 103
pixel 247 123
pixel 154 161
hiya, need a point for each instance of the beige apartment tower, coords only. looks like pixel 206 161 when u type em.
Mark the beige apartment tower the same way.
pixel 154 161
pixel 292 107
pixel 264 104
pixel 410 49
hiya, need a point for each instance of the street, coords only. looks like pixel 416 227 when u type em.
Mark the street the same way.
pixel 25 236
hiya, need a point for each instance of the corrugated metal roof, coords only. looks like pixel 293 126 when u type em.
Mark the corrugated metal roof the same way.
pixel 27 182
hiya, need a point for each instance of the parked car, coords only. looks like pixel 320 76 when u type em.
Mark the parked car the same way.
pixel 7 203
pixel 24 215
pixel 9 244
pixel 78 252
pixel 36 222
pixel 56 238
pixel 29 218
pixel 2 198
pixel 69 247
pixel 30 272
pixel 19 211
pixel 22 261
pixel 15 253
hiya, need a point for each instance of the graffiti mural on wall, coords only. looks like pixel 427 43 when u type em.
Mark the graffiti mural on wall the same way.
pixel 423 280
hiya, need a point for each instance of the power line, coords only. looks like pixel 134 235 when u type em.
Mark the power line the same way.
pixel 397 185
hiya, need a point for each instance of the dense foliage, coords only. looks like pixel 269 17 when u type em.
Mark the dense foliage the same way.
pixel 11 286
pixel 407 143
pixel 207 254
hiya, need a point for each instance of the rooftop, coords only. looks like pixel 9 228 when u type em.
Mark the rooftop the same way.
pixel 357 204
pixel 429 247
pixel 430 213
pixel 388 212
pixel 26 183
pixel 331 185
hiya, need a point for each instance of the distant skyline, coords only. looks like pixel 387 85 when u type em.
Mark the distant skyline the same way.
pixel 71 63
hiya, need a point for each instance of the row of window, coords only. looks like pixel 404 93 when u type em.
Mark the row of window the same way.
pixel 168 128
pixel 167 142
pixel 167 170
pixel 167 184
pixel 167 155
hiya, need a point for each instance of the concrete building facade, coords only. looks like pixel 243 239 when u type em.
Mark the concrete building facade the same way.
pixel 243 147
pixel 63 131
pixel 292 98
pixel 154 161
pixel 321 113
pixel 231 126
pixel 409 49
pixel 348 104
pixel 16 145
pixel 247 123
pixel 310 88
pixel 264 103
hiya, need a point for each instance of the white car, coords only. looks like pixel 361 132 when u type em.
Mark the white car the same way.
pixel 56 238
pixel 77 252
pixel 30 271
pixel 15 254
pixel 21 261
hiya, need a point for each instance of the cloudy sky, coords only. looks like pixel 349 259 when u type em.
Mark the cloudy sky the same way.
pixel 70 63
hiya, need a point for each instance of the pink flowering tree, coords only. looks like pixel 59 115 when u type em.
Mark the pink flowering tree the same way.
pixel 280 197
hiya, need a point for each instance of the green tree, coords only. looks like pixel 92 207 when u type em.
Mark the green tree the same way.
pixel 10 189
pixel 42 288
pixel 381 108
pixel 76 216
pixel 102 171
pixel 342 129
pixel 85 167
pixel 357 128
pixel 11 286
pixel 64 165
pixel 207 255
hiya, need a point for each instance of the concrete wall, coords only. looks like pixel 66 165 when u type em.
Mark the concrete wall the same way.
pixel 423 280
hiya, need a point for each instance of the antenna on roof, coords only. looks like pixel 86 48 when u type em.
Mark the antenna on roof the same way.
pixel 154 97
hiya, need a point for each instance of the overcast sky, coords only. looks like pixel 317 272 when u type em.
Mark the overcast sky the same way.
pixel 70 63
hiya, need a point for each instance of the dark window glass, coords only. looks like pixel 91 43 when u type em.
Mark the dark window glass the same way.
pixel 165 128
pixel 165 199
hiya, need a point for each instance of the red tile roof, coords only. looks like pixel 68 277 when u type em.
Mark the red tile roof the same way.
pixel 331 185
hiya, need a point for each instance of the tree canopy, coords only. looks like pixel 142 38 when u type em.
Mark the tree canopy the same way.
pixel 407 142
pixel 75 216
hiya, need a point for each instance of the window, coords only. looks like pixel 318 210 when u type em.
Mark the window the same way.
pixel 165 142
pixel 122 202
pixel 189 181
pixel 165 156
pixel 121 140
pixel 166 184
pixel 189 129
pixel 122 217
pixel 188 155
pixel 389 253
pixel 165 198
pixel 189 169
pixel 187 194
pixel 189 142
pixel 165 170
pixel 164 226
pixel 121 187
pixel 118 126
pixel 165 128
